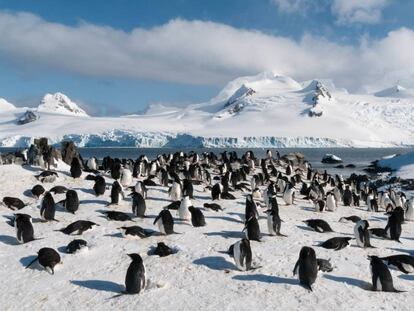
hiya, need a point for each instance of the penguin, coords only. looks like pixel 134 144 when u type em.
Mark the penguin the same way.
pixel 117 216
pixel 274 222
pixel 163 250
pixel 242 254
pixel 319 225
pixel 330 202
pixel 24 228
pixel 404 263
pixel 381 276
pixel 116 170
pixel 197 217
pixel 100 185
pixel 91 163
pixel 216 191
pixel 136 232
pixel 13 203
pixel 75 168
pixel 138 205
pixel 347 196
pixel 306 267
pixel 336 243
pixel 78 227
pixel 319 205
pixel 117 193
pixel 47 207
pixel 289 194
pixel 409 209
pixel 37 191
pixel 393 227
pixel 252 229
pixel 71 203
pixel 362 234
pixel 165 222
pixel 188 188
pixel 126 177
pixel 48 258
pixel 378 232
pixel 135 279
pixel 173 205
pixel 75 246
pixel 352 218
pixel 251 208
pixel 140 188
pixel 213 206
pixel 183 211
pixel 47 176
pixel 58 190
pixel 176 190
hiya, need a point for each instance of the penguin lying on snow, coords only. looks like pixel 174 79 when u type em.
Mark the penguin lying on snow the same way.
pixel 162 250
pixel 213 206
pixel 117 216
pixel 48 258
pixel 13 203
pixel 319 225
pixel 75 246
pixel 336 243
pixel 37 191
pixel 403 262
pixel 352 218
pixel 136 232
pixel 78 227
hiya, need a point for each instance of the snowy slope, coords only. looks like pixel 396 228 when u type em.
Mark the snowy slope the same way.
pixel 266 110
pixel 5 105
pixel 403 165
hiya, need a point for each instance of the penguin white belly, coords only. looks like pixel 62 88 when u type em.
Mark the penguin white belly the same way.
pixel 407 267
pixel 184 213
pixel 409 214
pixel 236 256
pixel 270 225
pixel 288 197
pixel 359 242
pixel 17 234
pixel 330 203
pixel 161 226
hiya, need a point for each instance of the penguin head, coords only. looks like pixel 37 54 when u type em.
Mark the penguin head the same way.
pixel 307 252
pixel 135 257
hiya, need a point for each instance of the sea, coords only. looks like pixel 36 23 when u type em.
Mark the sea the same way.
pixel 360 157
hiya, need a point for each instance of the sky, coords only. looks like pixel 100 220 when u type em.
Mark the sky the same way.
pixel 119 56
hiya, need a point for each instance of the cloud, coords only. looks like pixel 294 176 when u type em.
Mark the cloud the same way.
pixel 358 11
pixel 199 52
pixel 294 6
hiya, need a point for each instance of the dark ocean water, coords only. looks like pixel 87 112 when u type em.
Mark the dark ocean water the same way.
pixel 361 157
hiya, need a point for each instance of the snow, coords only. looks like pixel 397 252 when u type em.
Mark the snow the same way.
pixel 403 165
pixel 198 276
pixel 278 113
pixel 61 104
pixel 5 105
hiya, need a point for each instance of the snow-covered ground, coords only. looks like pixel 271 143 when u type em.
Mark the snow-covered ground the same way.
pixel 267 110
pixel 198 276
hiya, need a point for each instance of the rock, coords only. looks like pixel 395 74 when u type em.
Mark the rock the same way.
pixel 331 159
pixel 27 117
pixel 69 151
pixel 339 166
pixel 350 166
pixel 296 158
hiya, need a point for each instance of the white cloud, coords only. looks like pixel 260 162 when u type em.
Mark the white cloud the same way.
pixel 293 6
pixel 358 11
pixel 200 52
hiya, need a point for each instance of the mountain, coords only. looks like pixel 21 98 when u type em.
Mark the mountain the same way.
pixel 60 104
pixel 5 105
pixel 396 91
pixel 265 110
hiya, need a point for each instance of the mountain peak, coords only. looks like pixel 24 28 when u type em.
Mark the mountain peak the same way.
pixel 61 104
pixel 5 105
pixel 397 91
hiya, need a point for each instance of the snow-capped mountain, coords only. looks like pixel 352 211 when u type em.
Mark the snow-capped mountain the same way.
pixel 61 104
pixel 266 110
pixel 5 105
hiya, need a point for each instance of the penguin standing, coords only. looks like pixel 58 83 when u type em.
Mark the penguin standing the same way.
pixel 100 186
pixel 48 258
pixel 381 276
pixel 126 177
pixel 71 203
pixel 176 190
pixel 140 188
pixel 138 205
pixel 242 254
pixel 183 211
pixel 393 228
pixel 347 197
pixel 216 191
pixel 330 202
pixel 75 168
pixel 47 207
pixel 306 267
pixel 289 194
pixel 24 228
pixel 165 222
pixel 409 209
pixel 361 234
pixel 252 229
pixel 91 163
pixel 117 193
pixel 116 170
pixel 197 217
pixel 274 222
pixel 135 279
pixel 251 208
pixel 188 188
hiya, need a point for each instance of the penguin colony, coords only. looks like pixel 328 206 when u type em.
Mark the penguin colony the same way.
pixel 269 186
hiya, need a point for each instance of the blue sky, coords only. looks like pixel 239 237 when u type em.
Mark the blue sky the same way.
pixel 122 55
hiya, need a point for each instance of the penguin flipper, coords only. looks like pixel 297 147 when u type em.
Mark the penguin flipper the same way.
pixel 32 262
pixel 295 269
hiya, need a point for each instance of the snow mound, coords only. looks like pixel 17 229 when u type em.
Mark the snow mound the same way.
pixel 5 105
pixel 396 91
pixel 403 164
pixel 61 104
